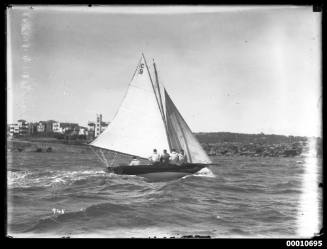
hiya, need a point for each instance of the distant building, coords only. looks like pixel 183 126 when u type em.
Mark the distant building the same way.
pixel 48 126
pixel 23 127
pixel 69 128
pixel 32 128
pixel 83 131
pixel 98 125
pixel 56 128
pixel 41 127
pixel 20 128
pixel 91 126
pixel 13 129
pixel 96 128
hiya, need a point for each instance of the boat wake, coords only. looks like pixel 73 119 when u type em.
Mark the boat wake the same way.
pixel 205 172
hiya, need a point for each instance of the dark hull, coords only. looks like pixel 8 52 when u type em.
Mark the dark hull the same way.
pixel 143 170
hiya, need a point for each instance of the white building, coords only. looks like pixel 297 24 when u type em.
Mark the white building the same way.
pixel 23 127
pixel 57 128
pixel 22 123
pixel 82 131
pixel 13 129
pixel 20 128
pixel 96 128
pixel 40 127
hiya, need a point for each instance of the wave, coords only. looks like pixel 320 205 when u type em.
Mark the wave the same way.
pixel 115 232
pixel 239 231
pixel 271 215
pixel 97 212
pixel 16 176
pixel 243 189
pixel 286 191
pixel 229 198
pixel 19 179
pixel 205 172
pixel 28 179
pixel 14 170
pixel 287 184
pixel 286 187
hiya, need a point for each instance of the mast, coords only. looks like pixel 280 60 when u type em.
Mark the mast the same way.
pixel 159 105
pixel 146 64
pixel 157 83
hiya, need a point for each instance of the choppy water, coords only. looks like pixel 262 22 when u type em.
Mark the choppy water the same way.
pixel 242 197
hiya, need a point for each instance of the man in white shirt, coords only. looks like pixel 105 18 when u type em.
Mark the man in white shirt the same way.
pixel 155 157
pixel 135 161
pixel 182 158
pixel 173 157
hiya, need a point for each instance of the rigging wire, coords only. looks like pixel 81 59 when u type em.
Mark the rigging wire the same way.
pixel 105 159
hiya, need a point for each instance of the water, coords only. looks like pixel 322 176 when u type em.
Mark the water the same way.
pixel 242 197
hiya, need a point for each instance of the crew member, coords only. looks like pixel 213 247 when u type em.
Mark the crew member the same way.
pixel 164 159
pixel 173 157
pixel 182 159
pixel 135 161
pixel 155 157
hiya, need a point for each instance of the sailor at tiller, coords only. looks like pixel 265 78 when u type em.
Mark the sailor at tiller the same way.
pixel 135 161
pixel 155 157
pixel 173 157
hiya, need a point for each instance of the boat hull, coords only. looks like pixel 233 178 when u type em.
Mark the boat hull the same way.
pixel 158 172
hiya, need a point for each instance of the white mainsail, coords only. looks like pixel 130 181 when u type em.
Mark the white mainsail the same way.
pixel 138 127
pixel 148 119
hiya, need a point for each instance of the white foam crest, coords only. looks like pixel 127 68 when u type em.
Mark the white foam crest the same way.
pixel 14 177
pixel 205 172
pixel 77 174
pixel 20 179
pixel 68 176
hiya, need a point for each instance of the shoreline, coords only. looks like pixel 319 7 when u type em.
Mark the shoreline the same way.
pixel 44 144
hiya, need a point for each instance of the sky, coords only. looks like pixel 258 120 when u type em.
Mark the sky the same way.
pixel 240 69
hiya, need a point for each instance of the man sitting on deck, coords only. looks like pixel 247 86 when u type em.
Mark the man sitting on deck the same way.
pixel 182 159
pixel 164 159
pixel 135 161
pixel 155 157
pixel 173 157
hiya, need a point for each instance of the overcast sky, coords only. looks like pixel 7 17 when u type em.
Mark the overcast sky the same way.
pixel 238 69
